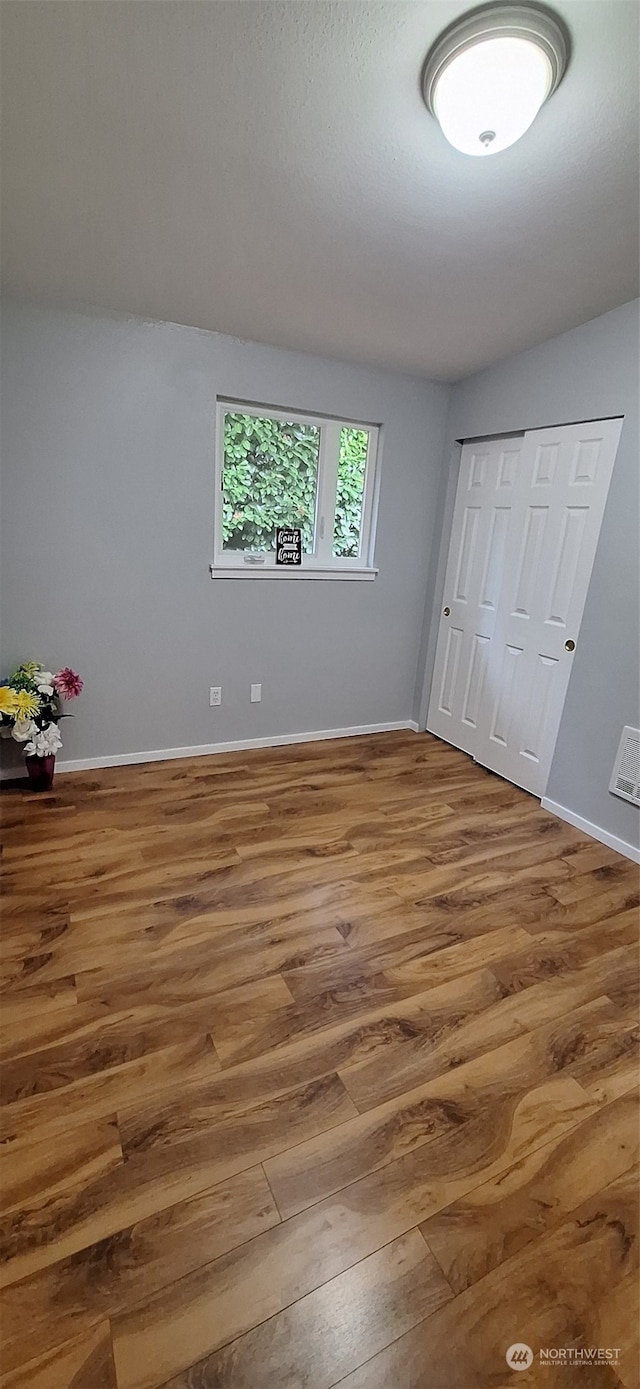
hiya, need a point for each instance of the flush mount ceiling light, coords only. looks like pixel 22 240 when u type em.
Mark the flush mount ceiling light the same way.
pixel 489 73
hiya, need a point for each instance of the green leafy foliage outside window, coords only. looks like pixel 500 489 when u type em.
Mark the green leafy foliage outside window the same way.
pixel 271 480
pixel 352 467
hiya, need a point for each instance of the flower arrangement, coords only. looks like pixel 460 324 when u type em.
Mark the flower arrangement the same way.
pixel 31 706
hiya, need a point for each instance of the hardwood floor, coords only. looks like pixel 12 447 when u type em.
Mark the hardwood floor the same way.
pixel 318 1067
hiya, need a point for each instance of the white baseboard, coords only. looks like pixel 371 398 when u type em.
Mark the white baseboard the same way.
pixel 594 831
pixel 126 759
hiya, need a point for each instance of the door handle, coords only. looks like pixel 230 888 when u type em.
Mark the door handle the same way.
pixel 446 612
pixel 569 645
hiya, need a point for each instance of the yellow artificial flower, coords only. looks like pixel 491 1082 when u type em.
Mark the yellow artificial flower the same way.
pixel 7 700
pixel 30 668
pixel 26 705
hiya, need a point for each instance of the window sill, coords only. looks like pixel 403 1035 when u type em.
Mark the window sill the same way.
pixel 306 571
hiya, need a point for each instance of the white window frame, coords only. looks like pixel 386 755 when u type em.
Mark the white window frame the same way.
pixel 322 564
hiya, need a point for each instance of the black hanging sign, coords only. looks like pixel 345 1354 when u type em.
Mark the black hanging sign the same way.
pixel 289 546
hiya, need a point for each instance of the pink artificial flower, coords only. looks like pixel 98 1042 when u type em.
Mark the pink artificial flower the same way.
pixel 67 683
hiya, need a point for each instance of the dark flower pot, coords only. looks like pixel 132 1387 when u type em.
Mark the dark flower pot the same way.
pixel 40 770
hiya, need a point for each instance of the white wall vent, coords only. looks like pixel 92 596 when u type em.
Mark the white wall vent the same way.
pixel 625 780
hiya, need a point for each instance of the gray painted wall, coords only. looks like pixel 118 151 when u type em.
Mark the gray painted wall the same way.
pixel 107 442
pixel 589 373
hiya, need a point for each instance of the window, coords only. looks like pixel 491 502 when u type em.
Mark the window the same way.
pixel 279 469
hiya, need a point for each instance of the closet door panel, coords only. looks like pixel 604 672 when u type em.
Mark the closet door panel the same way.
pixel 473 585
pixel 555 524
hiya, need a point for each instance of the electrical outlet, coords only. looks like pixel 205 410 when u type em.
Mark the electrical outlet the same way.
pixel 215 696
pixel 256 694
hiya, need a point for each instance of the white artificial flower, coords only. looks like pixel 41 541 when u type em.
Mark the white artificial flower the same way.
pixel 23 729
pixel 44 742
pixel 44 682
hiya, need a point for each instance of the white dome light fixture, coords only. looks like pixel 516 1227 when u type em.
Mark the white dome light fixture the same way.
pixel 489 73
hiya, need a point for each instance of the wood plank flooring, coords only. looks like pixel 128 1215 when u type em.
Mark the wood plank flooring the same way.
pixel 318 1067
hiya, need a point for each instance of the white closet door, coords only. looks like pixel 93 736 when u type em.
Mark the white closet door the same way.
pixel 489 472
pixel 553 535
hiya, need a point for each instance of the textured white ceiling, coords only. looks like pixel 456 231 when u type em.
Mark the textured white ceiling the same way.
pixel 269 170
